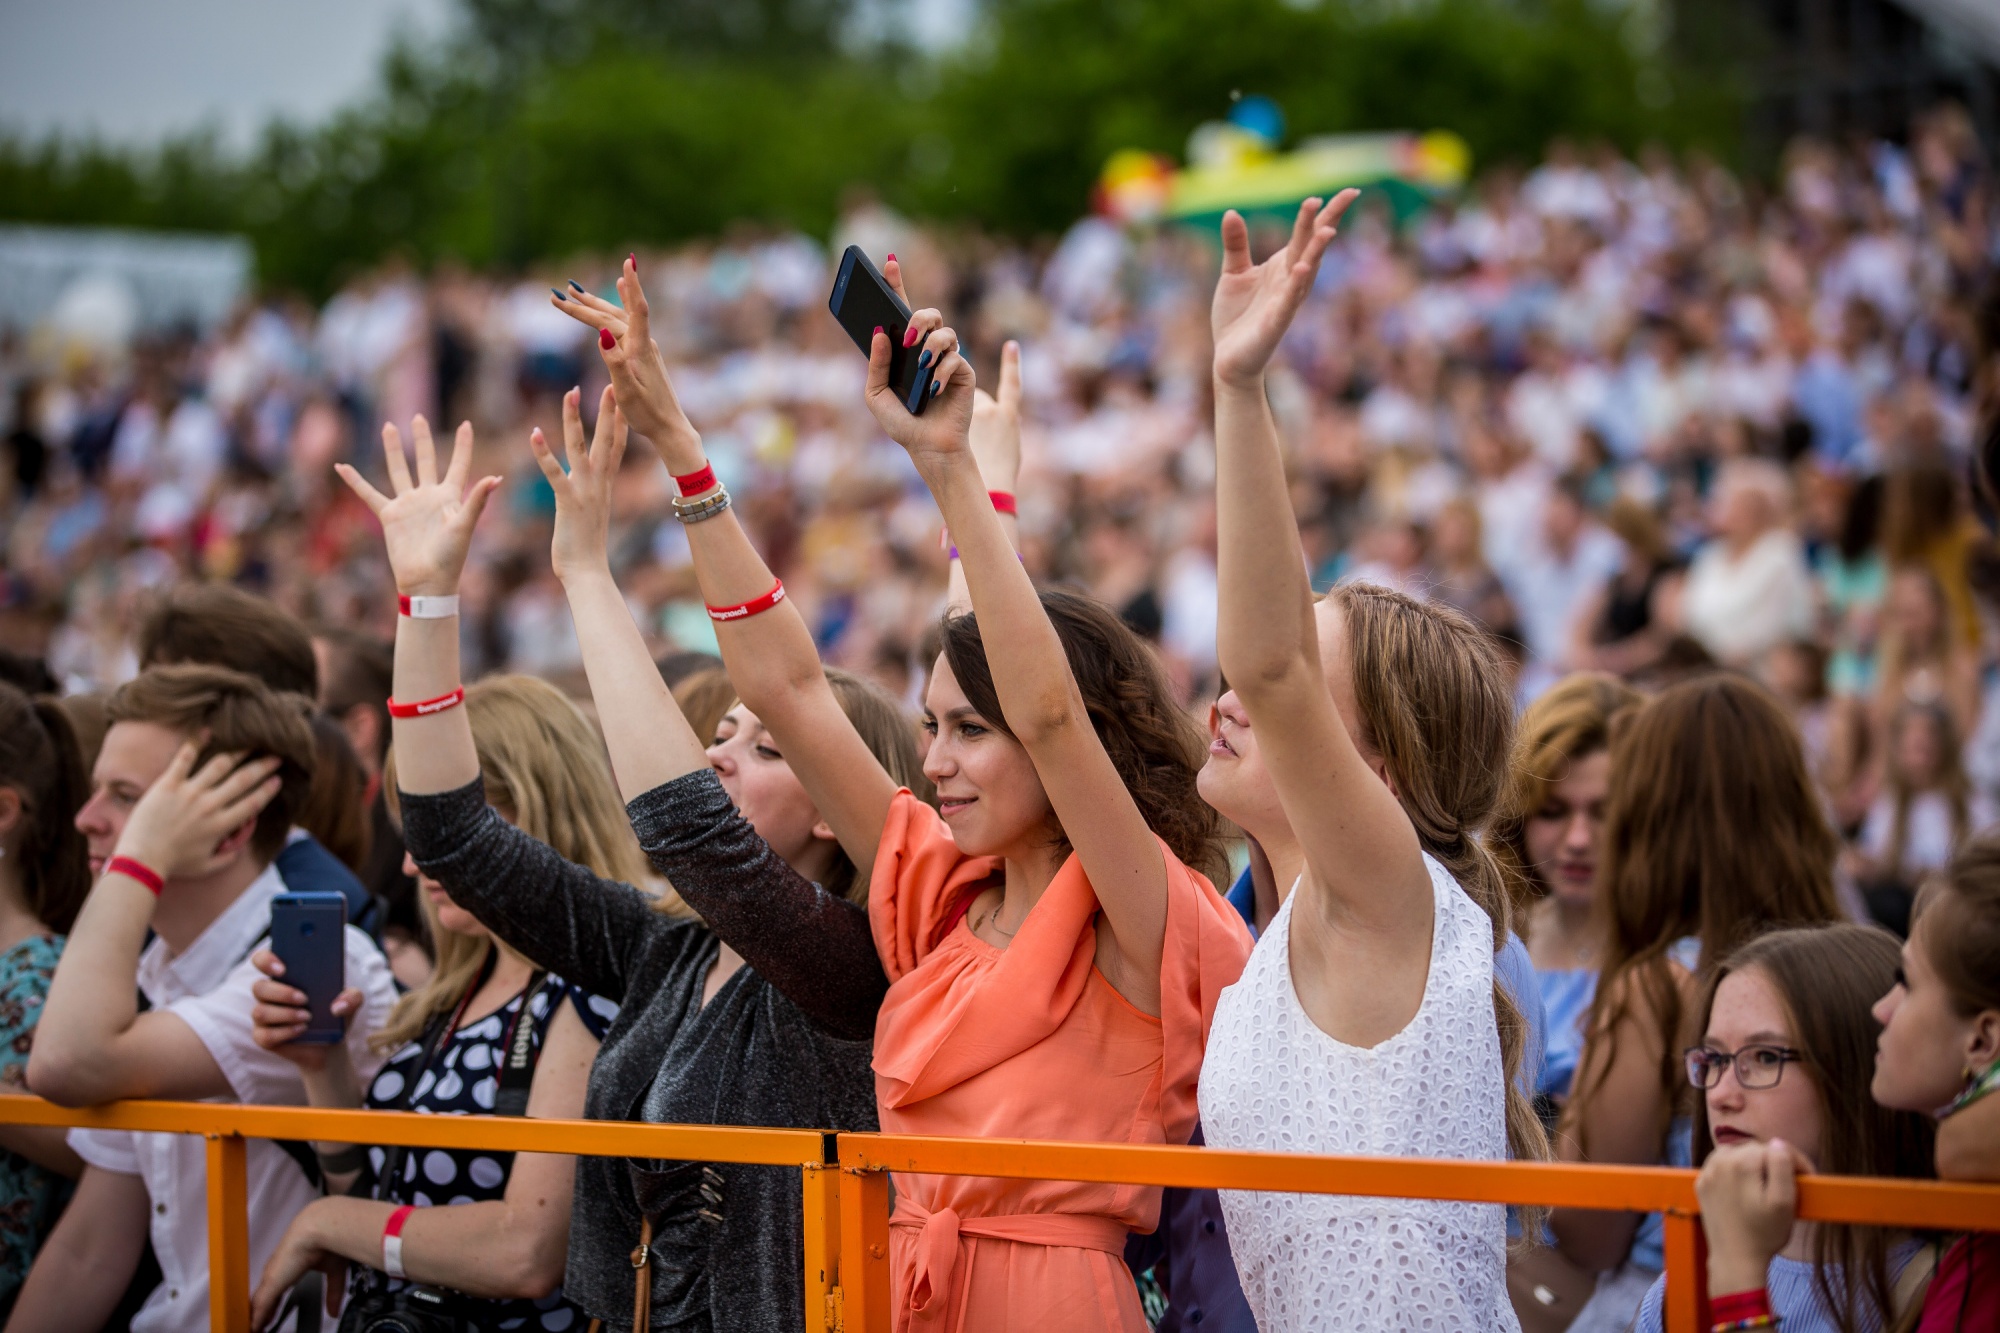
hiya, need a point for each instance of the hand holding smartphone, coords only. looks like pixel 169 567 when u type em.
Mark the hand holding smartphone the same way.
pixel 307 934
pixel 863 301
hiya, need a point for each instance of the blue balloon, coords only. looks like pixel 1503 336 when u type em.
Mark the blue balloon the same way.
pixel 1260 116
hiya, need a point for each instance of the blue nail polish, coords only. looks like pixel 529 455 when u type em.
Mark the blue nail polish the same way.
pixel 557 293
pixel 924 361
pixel 936 388
pixel 575 285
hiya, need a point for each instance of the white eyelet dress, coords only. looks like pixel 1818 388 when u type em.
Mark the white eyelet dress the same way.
pixel 1273 1081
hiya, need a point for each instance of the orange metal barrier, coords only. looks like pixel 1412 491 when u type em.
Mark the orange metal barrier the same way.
pixel 845 1179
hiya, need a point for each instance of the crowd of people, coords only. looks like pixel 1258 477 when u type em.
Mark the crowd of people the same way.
pixel 1510 684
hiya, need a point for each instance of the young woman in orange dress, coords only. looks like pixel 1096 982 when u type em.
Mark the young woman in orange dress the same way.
pixel 1053 948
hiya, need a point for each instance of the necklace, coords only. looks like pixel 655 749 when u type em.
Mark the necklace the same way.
pixel 993 920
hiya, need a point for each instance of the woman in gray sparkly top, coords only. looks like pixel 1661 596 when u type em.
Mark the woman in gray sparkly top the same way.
pixel 771 1028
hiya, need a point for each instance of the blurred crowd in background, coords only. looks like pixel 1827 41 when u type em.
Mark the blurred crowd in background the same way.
pixel 1637 416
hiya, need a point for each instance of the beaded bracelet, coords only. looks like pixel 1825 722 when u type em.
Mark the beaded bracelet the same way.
pixel 699 511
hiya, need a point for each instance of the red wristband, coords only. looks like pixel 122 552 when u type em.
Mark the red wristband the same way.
pixel 428 706
pixel 1003 502
pixel 136 870
pixel 694 483
pixel 1737 1305
pixel 750 608
pixel 392 1240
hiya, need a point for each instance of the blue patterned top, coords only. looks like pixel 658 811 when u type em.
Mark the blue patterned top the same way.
pixel 1795 1297
pixel 30 1196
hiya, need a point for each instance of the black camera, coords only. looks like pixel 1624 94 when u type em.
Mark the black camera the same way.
pixel 411 1310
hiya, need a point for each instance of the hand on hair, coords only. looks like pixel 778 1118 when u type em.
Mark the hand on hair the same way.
pixel 191 822
pixel 638 370
pixel 281 1016
pixel 944 430
pixel 583 493
pixel 1254 303
pixel 428 523
pixel 1749 1201
pixel 996 424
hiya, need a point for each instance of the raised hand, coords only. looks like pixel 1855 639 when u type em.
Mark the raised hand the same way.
pixel 191 821
pixel 996 424
pixel 944 430
pixel 638 370
pixel 1254 303
pixel 427 523
pixel 281 1015
pixel 583 493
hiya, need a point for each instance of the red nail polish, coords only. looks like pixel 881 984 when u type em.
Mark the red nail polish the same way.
pixel 633 260
pixel 909 335
pixel 892 258
pixel 878 330
pixel 605 340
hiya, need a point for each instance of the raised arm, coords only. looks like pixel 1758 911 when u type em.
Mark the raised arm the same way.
pixel 814 947
pixel 560 914
pixel 770 654
pixel 1038 694
pixel 1356 837
pixel 996 446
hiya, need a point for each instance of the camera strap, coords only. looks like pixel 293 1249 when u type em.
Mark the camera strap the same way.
pixel 519 1054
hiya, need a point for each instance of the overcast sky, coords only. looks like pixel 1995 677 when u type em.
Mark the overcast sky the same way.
pixel 136 70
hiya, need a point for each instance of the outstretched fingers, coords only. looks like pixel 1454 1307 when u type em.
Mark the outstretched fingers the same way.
pixel 638 315
pixel 1009 392
pixel 1235 243
pixel 545 457
pixel 574 448
pixel 461 458
pixel 1326 226
pixel 427 461
pixel 607 445
pixel 392 457
pixel 361 486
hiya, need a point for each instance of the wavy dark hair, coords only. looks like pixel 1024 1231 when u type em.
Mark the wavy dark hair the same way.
pixel 1154 744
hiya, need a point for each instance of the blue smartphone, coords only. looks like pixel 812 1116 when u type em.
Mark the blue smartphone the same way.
pixel 862 301
pixel 307 934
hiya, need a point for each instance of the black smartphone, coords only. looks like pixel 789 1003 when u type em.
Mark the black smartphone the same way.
pixel 307 931
pixel 863 301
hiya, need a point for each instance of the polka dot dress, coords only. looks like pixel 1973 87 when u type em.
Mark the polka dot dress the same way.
pixel 464 1079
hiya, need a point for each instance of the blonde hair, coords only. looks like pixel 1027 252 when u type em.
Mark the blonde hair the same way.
pixel 544 763
pixel 1570 723
pixel 1433 702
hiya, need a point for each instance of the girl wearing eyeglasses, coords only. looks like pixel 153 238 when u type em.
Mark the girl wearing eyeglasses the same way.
pixel 1783 1066
pixel 1937 1057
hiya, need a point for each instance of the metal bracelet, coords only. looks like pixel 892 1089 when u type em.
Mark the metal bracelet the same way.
pixel 696 511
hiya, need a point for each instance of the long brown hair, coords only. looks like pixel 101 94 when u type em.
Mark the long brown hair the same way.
pixel 543 763
pixel 1712 830
pixel 1963 939
pixel 40 761
pixel 1153 743
pixel 1949 780
pixel 1571 722
pixel 1434 702
pixel 1829 978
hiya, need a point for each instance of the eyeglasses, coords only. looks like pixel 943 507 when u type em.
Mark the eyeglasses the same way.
pixel 1756 1066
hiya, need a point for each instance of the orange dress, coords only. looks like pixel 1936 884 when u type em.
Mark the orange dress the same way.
pixel 1028 1042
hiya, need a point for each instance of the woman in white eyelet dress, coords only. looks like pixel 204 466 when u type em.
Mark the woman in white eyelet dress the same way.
pixel 1364 740
pixel 1271 1080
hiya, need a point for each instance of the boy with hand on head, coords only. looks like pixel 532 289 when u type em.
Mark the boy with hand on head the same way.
pixel 219 624
pixel 192 798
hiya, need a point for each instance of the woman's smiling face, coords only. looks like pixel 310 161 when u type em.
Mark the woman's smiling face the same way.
pixel 988 791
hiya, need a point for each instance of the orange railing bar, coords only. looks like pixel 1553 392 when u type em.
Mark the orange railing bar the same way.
pixel 846 1189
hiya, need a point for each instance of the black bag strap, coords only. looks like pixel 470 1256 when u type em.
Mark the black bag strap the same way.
pixel 517 1071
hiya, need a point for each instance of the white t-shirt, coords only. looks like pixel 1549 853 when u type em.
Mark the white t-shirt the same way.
pixel 208 988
